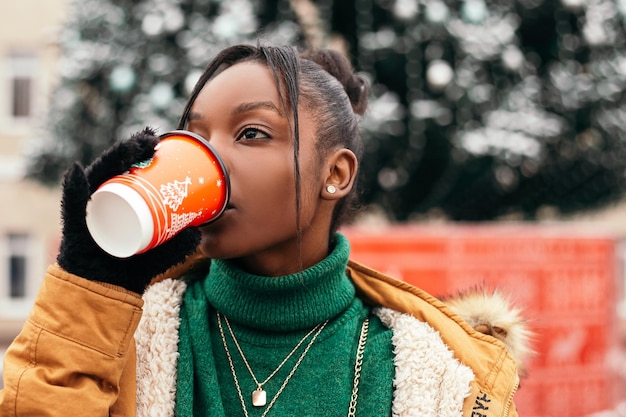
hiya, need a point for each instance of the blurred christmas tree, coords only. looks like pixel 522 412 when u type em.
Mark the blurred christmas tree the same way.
pixel 512 106
pixel 479 109
pixel 127 64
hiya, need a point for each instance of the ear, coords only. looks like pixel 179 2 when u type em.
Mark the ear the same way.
pixel 340 173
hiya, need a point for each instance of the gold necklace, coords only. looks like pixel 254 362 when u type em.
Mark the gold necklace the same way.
pixel 357 365
pixel 259 396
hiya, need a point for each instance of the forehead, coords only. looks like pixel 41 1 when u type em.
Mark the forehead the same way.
pixel 242 82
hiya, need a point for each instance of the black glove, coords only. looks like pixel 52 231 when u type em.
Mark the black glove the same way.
pixel 80 255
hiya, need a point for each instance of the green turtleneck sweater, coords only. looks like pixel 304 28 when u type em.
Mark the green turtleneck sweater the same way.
pixel 269 316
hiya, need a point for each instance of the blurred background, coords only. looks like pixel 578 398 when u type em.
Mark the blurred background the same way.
pixel 495 147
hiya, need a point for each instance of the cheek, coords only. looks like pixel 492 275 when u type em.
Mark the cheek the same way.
pixel 269 189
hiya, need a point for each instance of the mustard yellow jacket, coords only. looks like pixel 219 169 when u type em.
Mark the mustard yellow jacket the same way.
pixel 76 354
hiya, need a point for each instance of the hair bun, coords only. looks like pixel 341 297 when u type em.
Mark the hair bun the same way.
pixel 337 65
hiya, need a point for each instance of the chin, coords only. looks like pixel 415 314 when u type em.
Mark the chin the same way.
pixel 213 244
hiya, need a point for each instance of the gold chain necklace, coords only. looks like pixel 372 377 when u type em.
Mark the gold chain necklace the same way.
pixel 358 363
pixel 259 395
pixel 317 329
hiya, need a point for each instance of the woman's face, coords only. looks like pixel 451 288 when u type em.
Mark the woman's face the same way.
pixel 240 113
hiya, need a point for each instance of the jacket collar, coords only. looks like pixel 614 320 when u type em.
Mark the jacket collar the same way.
pixel 495 371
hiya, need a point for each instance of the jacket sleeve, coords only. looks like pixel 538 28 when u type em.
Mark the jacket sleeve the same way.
pixel 70 357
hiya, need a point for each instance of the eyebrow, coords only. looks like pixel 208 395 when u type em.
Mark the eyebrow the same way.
pixel 243 108
pixel 246 107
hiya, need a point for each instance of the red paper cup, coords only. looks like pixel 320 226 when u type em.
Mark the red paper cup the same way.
pixel 185 184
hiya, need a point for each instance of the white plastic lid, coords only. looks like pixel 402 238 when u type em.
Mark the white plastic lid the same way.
pixel 119 220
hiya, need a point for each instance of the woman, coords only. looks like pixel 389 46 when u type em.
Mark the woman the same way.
pixel 279 322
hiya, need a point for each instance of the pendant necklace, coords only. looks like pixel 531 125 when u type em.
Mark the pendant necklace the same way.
pixel 259 396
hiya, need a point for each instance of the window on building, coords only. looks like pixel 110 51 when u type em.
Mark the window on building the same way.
pixel 21 73
pixel 22 90
pixel 17 263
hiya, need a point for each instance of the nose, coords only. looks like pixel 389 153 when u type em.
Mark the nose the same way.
pixel 217 147
pixel 220 151
pixel 219 158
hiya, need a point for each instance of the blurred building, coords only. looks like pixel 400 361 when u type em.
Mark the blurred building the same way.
pixel 29 213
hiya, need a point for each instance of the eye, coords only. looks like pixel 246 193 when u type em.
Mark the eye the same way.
pixel 252 133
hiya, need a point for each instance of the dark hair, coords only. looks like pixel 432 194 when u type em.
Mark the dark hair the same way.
pixel 324 82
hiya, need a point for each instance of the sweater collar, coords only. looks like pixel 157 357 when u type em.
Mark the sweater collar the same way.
pixel 286 303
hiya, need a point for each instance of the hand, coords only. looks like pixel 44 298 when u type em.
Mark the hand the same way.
pixel 80 255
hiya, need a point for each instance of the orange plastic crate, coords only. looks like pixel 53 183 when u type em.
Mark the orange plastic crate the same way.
pixel 566 283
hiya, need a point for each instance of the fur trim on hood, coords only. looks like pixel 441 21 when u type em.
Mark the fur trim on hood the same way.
pixel 491 313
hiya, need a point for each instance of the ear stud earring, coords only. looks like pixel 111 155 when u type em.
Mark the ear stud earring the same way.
pixel 331 189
